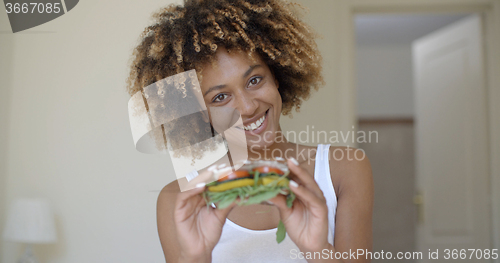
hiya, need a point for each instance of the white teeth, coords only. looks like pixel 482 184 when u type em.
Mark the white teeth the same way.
pixel 256 124
pixel 259 122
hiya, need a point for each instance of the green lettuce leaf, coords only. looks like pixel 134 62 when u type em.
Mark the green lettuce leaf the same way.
pixel 281 233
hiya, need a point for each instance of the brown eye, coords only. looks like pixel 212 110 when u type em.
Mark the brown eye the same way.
pixel 219 97
pixel 255 81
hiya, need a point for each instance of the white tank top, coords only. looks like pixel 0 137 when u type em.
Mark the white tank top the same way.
pixel 239 244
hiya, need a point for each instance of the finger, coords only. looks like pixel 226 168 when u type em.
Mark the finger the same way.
pixel 306 196
pixel 191 198
pixel 280 202
pixel 223 213
pixel 204 177
pixel 305 178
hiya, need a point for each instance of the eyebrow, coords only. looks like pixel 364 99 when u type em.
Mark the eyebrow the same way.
pixel 250 70
pixel 223 85
pixel 214 88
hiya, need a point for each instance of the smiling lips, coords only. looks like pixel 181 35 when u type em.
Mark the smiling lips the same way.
pixel 256 124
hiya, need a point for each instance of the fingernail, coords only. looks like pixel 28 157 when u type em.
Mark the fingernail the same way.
pixel 279 159
pixel 212 168
pixel 293 183
pixel 269 202
pixel 294 161
pixel 200 185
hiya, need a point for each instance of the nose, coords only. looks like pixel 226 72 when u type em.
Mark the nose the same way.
pixel 246 104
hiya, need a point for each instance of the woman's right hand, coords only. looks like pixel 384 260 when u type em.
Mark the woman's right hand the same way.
pixel 198 228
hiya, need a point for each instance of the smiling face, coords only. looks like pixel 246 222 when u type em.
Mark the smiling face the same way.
pixel 248 85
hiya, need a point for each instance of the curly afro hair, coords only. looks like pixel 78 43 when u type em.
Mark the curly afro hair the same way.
pixel 185 37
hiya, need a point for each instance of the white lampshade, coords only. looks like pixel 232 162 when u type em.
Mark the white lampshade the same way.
pixel 30 221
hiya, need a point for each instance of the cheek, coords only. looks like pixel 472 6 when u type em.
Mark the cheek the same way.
pixel 273 96
pixel 279 102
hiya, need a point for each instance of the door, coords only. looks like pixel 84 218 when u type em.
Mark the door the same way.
pixel 452 142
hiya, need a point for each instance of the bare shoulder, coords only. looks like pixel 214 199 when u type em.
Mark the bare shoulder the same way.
pixel 350 168
pixel 165 206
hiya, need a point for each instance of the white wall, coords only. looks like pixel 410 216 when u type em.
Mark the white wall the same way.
pixel 384 78
pixel 69 136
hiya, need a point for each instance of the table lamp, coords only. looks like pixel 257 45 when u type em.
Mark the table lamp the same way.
pixel 30 221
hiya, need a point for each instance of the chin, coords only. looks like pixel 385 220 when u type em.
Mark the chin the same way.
pixel 264 141
pixel 259 145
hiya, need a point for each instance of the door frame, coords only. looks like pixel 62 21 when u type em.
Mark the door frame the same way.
pixel 490 10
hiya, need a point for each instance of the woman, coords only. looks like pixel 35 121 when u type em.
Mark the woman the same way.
pixel 256 57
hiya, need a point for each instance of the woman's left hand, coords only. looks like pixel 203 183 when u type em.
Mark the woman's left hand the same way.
pixel 306 222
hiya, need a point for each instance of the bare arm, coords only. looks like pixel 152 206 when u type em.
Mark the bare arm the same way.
pixel 353 226
pixel 188 229
pixel 165 207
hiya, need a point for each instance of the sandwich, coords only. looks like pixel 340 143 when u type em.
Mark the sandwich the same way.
pixel 254 183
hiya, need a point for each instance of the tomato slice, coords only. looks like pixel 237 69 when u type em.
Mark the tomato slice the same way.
pixel 268 169
pixel 234 175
